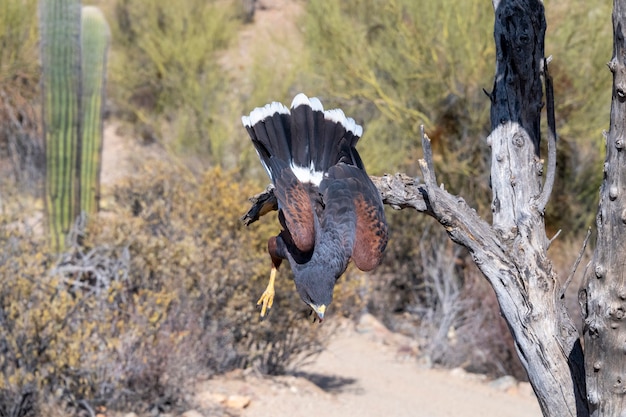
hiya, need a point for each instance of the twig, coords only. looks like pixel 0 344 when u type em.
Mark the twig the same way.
pixel 86 406
pixel 557 234
pixel 575 266
pixel 426 164
pixel 542 201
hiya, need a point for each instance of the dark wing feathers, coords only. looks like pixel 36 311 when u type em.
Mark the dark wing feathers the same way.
pixel 371 232
pixel 305 136
pixel 277 127
pixel 333 134
pixel 270 137
pixel 317 144
pixel 356 159
pixel 300 148
pixel 302 130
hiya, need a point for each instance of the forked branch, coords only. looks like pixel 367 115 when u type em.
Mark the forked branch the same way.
pixel 542 201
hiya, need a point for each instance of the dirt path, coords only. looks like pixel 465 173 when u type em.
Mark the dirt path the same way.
pixel 359 376
pixel 270 40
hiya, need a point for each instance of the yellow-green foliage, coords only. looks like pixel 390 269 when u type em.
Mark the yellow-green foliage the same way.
pixel 403 63
pixel 579 37
pixel 18 37
pixel 165 67
pixel 161 289
pixel 407 63
pixel 19 78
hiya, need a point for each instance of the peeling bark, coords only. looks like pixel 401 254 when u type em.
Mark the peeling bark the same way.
pixel 603 300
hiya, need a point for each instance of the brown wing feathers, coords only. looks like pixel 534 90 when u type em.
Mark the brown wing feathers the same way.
pixel 295 204
pixel 371 233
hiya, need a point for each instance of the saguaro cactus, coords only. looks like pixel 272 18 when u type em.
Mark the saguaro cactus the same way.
pixel 61 85
pixel 73 56
pixel 95 42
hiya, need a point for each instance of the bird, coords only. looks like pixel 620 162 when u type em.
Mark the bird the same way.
pixel 329 209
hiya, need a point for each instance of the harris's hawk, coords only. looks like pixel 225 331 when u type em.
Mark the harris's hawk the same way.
pixel 329 209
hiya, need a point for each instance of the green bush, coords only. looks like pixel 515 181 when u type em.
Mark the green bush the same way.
pixel 405 65
pixel 18 37
pixel 165 72
pixel 579 37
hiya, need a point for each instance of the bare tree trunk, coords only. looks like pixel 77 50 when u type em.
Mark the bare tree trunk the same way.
pixel 603 301
pixel 547 342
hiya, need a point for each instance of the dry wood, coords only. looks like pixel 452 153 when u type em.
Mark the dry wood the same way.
pixel 603 300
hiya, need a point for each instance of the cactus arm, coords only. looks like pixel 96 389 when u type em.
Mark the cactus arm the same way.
pixel 95 39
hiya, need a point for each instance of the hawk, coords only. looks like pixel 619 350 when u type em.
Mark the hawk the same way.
pixel 328 207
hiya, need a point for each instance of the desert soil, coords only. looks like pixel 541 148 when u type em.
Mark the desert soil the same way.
pixel 367 372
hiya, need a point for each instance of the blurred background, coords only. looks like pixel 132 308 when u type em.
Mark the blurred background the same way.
pixel 160 286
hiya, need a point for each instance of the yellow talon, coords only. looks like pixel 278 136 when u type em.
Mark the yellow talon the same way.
pixel 267 299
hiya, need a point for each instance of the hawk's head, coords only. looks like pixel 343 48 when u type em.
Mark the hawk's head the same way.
pixel 315 288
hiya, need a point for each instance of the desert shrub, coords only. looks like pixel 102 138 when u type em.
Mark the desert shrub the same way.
pixel 393 288
pixel 21 149
pixel 165 74
pixel 147 297
pixel 429 288
pixel 404 66
pixel 481 341
pixel 230 266
pixel 579 36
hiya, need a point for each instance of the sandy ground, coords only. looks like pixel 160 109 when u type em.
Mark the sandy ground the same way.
pixel 360 376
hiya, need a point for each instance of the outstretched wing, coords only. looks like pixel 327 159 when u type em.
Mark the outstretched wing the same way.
pixel 371 234
pixel 295 205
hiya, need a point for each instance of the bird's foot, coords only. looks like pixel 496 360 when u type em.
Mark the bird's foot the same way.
pixel 267 298
pixel 266 301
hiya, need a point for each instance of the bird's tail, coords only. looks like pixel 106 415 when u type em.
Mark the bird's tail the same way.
pixel 306 137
